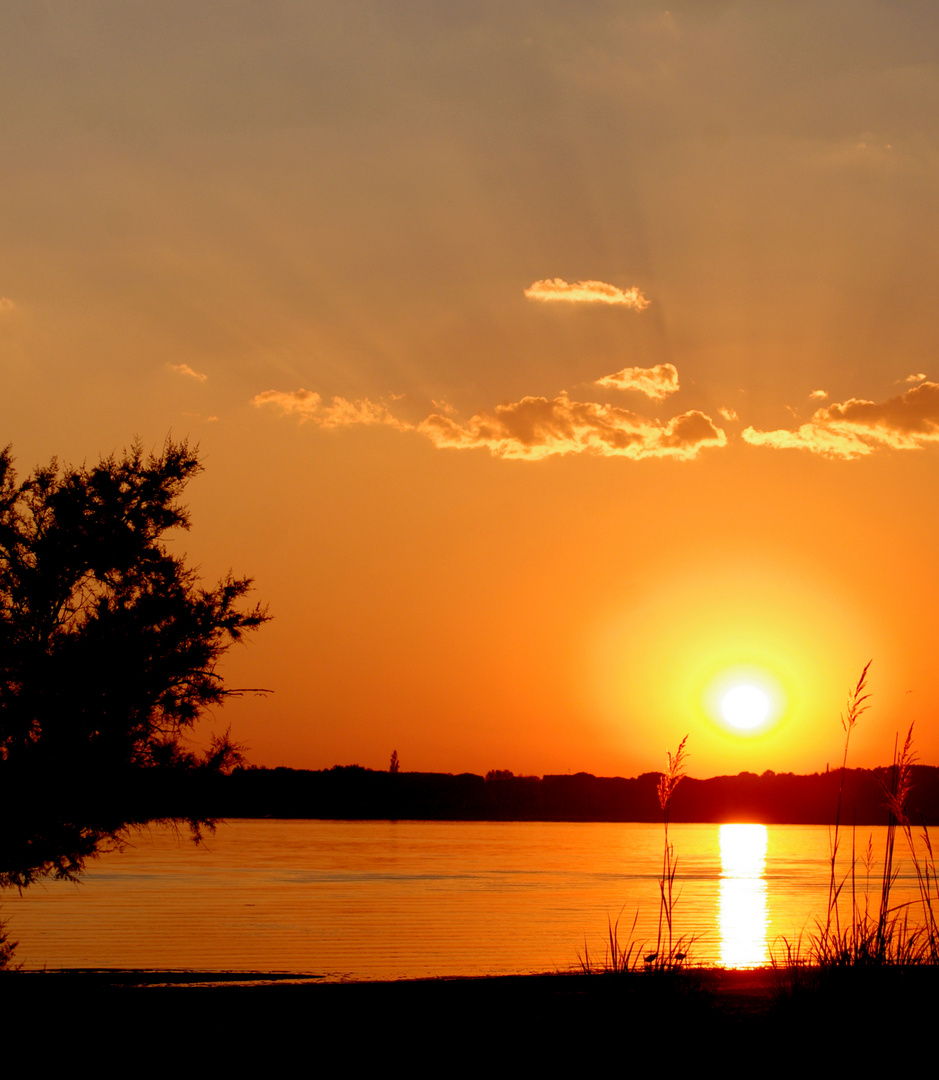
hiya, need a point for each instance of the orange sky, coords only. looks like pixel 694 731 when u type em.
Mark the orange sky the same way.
pixel 547 361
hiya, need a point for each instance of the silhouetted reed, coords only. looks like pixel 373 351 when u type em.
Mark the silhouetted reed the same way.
pixel 670 951
pixel 619 959
pixel 888 934
pixel 857 704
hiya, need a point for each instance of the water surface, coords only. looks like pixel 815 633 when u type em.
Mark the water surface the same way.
pixel 370 900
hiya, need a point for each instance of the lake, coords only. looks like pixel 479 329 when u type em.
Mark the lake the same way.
pixel 381 900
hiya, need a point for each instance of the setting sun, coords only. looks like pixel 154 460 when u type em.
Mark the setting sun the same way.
pixel 746 700
pixel 745 707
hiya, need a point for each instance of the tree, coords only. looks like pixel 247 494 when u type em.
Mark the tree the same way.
pixel 109 646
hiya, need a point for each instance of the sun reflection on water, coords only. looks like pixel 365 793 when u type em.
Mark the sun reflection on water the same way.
pixel 742 916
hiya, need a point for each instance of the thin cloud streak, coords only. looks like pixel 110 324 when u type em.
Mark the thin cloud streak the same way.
pixel 655 382
pixel 340 412
pixel 300 403
pixel 586 292
pixel 185 369
pixel 857 427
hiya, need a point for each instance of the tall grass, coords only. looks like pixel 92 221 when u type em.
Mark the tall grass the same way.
pixel 884 933
pixel 924 864
pixel 621 957
pixel 671 951
pixel 857 704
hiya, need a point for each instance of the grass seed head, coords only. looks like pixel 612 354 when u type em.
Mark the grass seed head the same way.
pixel 856 700
pixel 671 779
pixel 902 784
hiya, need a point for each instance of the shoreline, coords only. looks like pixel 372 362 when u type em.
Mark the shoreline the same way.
pixel 745 992
pixel 544 1019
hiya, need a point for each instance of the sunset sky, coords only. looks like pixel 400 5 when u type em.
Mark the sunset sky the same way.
pixel 553 365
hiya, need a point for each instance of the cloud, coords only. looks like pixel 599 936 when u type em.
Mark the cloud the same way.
pixel 655 382
pixel 302 403
pixel 538 427
pixel 308 405
pixel 819 440
pixel 856 427
pixel 730 415
pixel 529 429
pixel 586 292
pixel 819 394
pixel 915 378
pixel 341 413
pixel 185 369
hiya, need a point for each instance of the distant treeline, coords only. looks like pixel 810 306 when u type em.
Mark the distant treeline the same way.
pixel 352 792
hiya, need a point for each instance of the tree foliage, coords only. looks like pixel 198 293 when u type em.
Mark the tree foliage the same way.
pixel 109 646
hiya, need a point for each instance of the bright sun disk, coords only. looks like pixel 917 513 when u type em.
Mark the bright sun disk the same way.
pixel 745 707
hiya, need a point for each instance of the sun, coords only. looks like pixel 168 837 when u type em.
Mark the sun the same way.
pixel 745 707
pixel 745 700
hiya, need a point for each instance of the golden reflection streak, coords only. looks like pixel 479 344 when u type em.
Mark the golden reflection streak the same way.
pixel 742 913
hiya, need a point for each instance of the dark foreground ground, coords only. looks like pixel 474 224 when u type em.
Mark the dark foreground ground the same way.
pixel 460 1024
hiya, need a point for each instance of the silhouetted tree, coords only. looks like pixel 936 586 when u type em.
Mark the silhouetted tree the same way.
pixel 395 765
pixel 108 653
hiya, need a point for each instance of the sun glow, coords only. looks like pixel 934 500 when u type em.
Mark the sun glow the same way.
pixel 661 666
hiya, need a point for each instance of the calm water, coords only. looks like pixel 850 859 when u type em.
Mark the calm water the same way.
pixel 371 900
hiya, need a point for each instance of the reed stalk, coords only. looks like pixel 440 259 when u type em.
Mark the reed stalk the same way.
pixel 669 953
pixel 619 959
pixel 885 937
pixel 857 704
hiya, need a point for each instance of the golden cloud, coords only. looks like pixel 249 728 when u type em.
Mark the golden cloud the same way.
pixel 308 405
pixel 655 382
pixel 857 427
pixel 819 440
pixel 341 413
pixel 534 427
pixel 586 292
pixel 185 369
pixel 302 403
pixel 538 427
